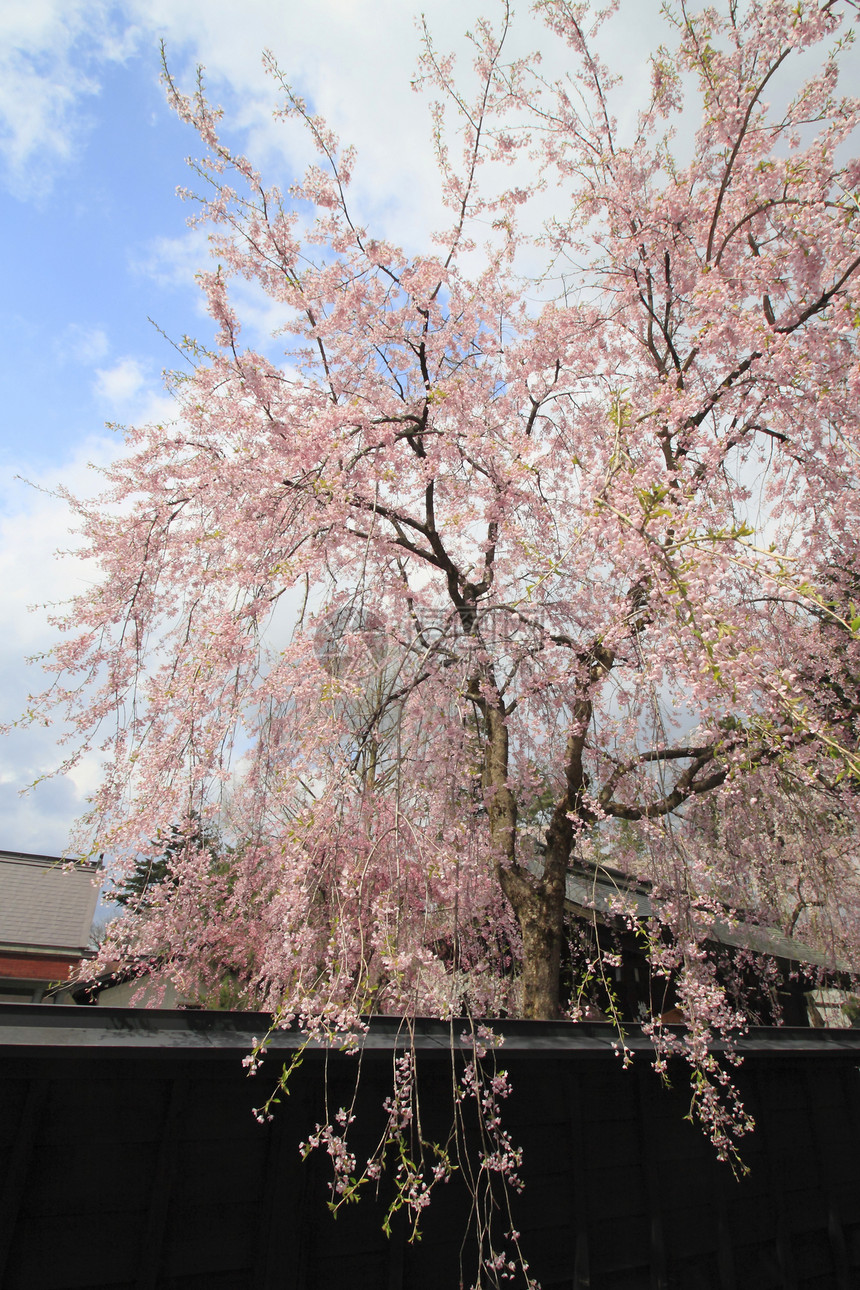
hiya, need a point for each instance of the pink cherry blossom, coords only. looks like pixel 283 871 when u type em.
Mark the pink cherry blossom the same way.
pixel 574 571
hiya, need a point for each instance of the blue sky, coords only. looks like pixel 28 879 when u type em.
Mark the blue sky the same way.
pixel 95 243
pixel 77 263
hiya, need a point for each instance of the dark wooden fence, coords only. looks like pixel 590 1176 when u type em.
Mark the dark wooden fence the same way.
pixel 130 1158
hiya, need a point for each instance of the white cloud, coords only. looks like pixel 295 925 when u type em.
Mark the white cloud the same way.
pixel 50 54
pixel 173 261
pixel 126 391
pixel 353 60
pixel 40 572
pixel 83 344
pixel 34 525
pixel 120 384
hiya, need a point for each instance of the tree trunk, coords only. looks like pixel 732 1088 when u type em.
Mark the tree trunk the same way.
pixel 538 903
pixel 542 927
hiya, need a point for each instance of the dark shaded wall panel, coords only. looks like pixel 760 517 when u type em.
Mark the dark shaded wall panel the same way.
pixel 130 1159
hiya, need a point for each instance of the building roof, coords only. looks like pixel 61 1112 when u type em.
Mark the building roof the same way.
pixel 46 903
pixel 607 892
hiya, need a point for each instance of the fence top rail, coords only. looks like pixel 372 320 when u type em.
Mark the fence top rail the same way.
pixel 61 1030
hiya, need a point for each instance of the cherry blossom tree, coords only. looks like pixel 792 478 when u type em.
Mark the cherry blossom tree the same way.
pixel 556 546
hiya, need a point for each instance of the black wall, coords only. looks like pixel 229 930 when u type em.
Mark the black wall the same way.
pixel 130 1158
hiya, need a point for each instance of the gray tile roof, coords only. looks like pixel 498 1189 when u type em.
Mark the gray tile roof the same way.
pixel 44 905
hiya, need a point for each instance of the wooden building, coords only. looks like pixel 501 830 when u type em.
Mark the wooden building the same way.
pixel 46 913
pixel 606 907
